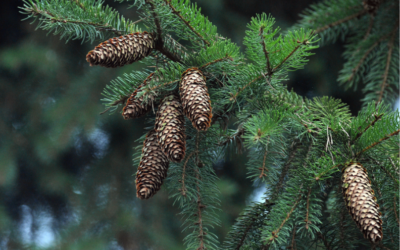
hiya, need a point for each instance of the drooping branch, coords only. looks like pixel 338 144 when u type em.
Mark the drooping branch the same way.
pixel 308 208
pixel 187 23
pixel 346 19
pixel 378 142
pixel 183 188
pixel 326 244
pixel 389 58
pixel 200 206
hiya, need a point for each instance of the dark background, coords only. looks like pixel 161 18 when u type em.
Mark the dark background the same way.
pixel 66 174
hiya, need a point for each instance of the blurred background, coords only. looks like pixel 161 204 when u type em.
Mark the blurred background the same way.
pixel 66 174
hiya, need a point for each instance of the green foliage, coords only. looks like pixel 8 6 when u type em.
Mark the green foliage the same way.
pixel 295 145
pixel 85 20
pixel 372 54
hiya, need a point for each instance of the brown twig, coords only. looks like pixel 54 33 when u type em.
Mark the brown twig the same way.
pixel 326 244
pixel 265 51
pixel 233 98
pixel 215 61
pixel 284 172
pixel 200 206
pixel 53 19
pixel 117 102
pixel 177 13
pixel 395 210
pixel 308 207
pixel 378 142
pixel 80 4
pixel 371 23
pixel 377 118
pixel 262 174
pixel 183 189
pixel 290 54
pixel 385 75
pixel 276 232
pixel 293 244
pixel 346 19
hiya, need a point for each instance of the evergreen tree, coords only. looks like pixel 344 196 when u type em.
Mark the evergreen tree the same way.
pixel 309 153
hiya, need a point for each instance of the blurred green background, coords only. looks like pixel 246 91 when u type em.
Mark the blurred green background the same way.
pixel 66 174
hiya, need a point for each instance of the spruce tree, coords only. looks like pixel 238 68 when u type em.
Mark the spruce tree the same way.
pixel 330 177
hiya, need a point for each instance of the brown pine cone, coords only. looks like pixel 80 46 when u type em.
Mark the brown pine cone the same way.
pixel 152 168
pixel 135 107
pixel 361 202
pixel 119 51
pixel 371 5
pixel 170 127
pixel 195 99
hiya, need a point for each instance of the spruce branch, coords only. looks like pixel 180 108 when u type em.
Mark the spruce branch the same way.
pixel 308 207
pixel 183 189
pixel 378 142
pixel 293 244
pixel 263 168
pixel 80 4
pixel 122 100
pixel 376 118
pixel 395 210
pixel 389 57
pixel 275 233
pixel 261 34
pixel 305 42
pixel 322 237
pixel 336 23
pixel 186 22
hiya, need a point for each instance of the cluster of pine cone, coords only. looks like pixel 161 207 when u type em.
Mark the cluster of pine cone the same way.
pixel 166 142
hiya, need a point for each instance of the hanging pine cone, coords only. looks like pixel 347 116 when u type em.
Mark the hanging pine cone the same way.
pixel 152 168
pixel 170 127
pixel 135 107
pixel 195 99
pixel 119 51
pixel 361 202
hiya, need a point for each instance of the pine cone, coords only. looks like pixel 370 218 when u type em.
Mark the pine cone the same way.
pixel 135 107
pixel 119 51
pixel 152 168
pixel 361 202
pixel 195 99
pixel 170 127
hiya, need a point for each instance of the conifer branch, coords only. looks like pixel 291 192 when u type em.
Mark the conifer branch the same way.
pixel 183 188
pixel 308 207
pixel 187 23
pixel 371 23
pixel 79 4
pixel 261 34
pixel 293 244
pixel 156 21
pixel 346 19
pixel 395 210
pixel 378 142
pixel 200 206
pixel 275 233
pixel 284 172
pixel 326 244
pixel 305 42
pixel 262 174
pixel 98 26
pixel 216 61
pixel 377 118
pixel 122 100
pixel 389 58
pixel 233 98
pixel 357 67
